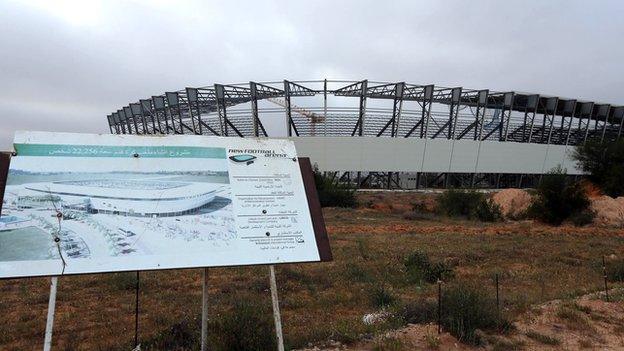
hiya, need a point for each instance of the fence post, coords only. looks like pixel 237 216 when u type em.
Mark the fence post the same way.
pixel 604 272
pixel 439 306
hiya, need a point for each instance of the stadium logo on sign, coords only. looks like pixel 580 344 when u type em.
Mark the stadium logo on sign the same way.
pixel 247 159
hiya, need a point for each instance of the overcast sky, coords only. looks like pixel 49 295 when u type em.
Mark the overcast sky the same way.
pixel 65 65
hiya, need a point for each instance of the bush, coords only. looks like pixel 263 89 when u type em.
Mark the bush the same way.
pixel 605 164
pixel 419 268
pixel 333 193
pixel 615 270
pixel 468 204
pixel 558 198
pixel 583 218
pixel 466 310
pixel 381 297
pixel 488 211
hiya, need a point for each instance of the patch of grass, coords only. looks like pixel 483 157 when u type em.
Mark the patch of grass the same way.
pixel 357 273
pixel 122 281
pixel 543 338
pixel 583 218
pixel 247 327
pixel 419 268
pixel 183 335
pixel 382 297
pixel 432 341
pixel 420 311
pixel 574 317
pixel 388 343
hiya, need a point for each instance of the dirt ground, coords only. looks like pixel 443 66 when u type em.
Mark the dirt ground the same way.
pixel 538 265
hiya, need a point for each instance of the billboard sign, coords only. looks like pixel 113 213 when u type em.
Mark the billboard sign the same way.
pixel 86 203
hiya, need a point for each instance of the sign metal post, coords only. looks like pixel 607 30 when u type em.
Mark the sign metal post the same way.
pixel 276 310
pixel 204 322
pixel 47 343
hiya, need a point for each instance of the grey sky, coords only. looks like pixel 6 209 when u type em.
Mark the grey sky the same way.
pixel 65 65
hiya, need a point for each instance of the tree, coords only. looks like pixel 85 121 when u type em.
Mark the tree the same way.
pixel 604 162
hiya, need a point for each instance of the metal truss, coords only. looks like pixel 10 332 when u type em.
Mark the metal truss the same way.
pixel 441 112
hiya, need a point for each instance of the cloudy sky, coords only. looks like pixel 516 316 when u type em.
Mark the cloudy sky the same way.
pixel 65 65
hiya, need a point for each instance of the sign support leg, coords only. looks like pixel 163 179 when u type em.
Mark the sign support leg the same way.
pixel 276 310
pixel 204 323
pixel 47 343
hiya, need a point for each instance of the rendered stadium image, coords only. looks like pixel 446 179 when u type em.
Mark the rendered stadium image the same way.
pixel 390 134
pixel 164 210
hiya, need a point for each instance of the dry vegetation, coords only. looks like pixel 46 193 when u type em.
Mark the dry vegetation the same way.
pixel 536 263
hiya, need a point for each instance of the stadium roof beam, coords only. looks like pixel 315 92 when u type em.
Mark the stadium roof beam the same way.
pixel 260 91
pixel 146 109
pixel 223 99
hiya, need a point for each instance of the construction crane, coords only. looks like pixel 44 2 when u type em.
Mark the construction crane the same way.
pixel 312 117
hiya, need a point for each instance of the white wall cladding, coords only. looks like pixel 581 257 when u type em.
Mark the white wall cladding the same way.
pixel 433 155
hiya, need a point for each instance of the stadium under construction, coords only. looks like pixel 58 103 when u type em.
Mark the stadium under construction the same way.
pixel 391 135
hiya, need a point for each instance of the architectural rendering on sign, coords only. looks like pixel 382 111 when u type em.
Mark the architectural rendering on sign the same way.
pixel 440 135
pixel 82 203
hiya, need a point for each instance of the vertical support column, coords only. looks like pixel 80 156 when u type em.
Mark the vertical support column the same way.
pixel 221 109
pixel 122 121
pixel 587 110
pixel 569 108
pixel 173 109
pixel 254 108
pixel 531 108
pixel 47 342
pixel 396 110
pixel 193 100
pixel 288 110
pixel 551 109
pixel 146 109
pixel 276 309
pixel 110 124
pixel 606 109
pixel 453 112
pixel 325 107
pixel 158 103
pixel 508 101
pixel 362 115
pixel 135 109
pixel 426 110
pixel 618 113
pixel 480 114
pixel 117 120
pixel 130 116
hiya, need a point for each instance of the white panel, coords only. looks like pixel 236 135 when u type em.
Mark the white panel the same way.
pixel 405 155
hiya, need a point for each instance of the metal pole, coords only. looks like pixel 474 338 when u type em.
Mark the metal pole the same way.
pixel 604 271
pixel 439 306
pixel 276 310
pixel 47 343
pixel 497 297
pixel 136 312
pixel 204 322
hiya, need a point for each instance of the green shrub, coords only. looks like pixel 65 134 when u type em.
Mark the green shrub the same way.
pixel 180 336
pixel 419 268
pixel 333 193
pixel 466 310
pixel 248 327
pixel 381 297
pixel 583 218
pixel 468 204
pixel 558 198
pixel 488 211
pixel 615 270
pixel 604 162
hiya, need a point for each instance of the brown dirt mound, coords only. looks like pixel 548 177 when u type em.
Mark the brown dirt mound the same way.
pixel 609 211
pixel 512 202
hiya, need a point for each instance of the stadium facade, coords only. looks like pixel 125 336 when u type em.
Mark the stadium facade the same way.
pixel 141 198
pixel 390 134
